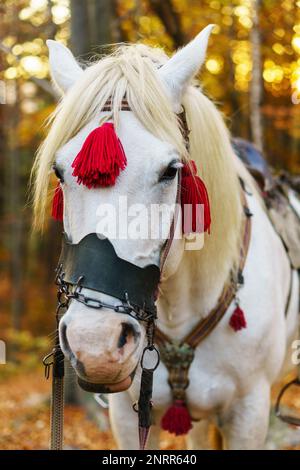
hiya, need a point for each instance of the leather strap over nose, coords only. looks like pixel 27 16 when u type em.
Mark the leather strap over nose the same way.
pixel 94 261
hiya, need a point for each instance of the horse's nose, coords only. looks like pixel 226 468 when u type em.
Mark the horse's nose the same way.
pixel 64 341
pixel 128 333
pixel 103 347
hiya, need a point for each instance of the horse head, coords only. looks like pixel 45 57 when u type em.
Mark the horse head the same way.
pixel 105 344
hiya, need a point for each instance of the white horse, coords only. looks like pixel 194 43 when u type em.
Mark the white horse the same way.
pixel 232 372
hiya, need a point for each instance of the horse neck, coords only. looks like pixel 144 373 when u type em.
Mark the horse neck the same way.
pixel 193 291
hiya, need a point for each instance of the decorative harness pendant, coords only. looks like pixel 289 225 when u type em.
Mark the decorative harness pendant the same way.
pixel 177 358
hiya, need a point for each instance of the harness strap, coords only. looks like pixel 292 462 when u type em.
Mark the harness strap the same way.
pixel 124 105
pixel 170 239
pixel 206 325
pixel 288 300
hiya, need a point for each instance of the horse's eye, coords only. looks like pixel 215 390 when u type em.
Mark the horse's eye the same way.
pixel 58 173
pixel 169 173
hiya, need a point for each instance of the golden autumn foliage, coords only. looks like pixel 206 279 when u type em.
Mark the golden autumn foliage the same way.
pixel 27 294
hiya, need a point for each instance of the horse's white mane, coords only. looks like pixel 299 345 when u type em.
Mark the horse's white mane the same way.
pixel 132 71
pixel 218 166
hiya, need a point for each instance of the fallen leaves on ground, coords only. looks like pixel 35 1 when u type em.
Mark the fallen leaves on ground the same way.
pixel 25 415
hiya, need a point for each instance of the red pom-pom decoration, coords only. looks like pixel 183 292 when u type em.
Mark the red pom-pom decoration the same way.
pixel 237 320
pixel 194 194
pixel 100 159
pixel 177 419
pixel 58 204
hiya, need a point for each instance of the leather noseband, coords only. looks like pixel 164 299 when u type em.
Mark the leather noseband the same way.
pixel 93 264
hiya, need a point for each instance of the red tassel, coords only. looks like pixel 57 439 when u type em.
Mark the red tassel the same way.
pixel 177 419
pixel 100 159
pixel 237 320
pixel 194 193
pixel 58 204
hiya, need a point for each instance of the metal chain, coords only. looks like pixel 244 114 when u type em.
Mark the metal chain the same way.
pixel 56 358
pixel 126 307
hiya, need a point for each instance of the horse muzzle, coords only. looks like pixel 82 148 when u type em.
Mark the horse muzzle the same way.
pixel 104 340
pixel 103 347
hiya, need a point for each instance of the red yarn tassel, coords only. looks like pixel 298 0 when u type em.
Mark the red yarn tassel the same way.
pixel 58 204
pixel 177 419
pixel 100 159
pixel 194 193
pixel 237 320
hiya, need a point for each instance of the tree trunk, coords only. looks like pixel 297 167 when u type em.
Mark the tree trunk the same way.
pixel 165 10
pixel 80 38
pixel 100 16
pixel 235 118
pixel 14 211
pixel 91 24
pixel 256 85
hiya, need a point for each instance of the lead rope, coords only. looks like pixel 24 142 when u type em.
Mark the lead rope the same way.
pixel 56 360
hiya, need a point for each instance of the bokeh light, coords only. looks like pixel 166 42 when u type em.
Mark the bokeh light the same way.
pixel 215 64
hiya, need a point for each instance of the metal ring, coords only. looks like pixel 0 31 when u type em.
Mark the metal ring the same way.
pixel 150 348
pixel 286 418
pixel 47 364
pixel 135 407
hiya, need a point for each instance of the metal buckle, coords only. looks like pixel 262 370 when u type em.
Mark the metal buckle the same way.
pixel 287 418
pixel 101 399
pixel 48 363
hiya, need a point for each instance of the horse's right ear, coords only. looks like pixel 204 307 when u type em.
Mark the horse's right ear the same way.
pixel 178 71
pixel 64 68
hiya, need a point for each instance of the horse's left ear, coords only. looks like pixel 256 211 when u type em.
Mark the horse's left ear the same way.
pixel 64 68
pixel 183 66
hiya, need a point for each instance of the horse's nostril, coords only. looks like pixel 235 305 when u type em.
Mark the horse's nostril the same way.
pixel 64 341
pixel 80 368
pixel 128 331
pixel 63 333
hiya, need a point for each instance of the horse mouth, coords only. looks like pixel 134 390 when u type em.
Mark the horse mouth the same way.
pixel 116 387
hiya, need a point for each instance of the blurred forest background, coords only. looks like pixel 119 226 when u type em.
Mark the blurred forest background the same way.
pixel 252 72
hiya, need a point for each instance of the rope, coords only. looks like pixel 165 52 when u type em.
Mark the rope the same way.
pixel 57 413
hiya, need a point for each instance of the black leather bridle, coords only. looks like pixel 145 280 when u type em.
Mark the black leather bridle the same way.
pixel 93 264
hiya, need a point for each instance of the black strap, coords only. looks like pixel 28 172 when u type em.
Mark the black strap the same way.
pixel 95 262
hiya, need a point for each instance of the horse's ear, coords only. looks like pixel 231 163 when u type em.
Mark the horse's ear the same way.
pixel 183 66
pixel 63 66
